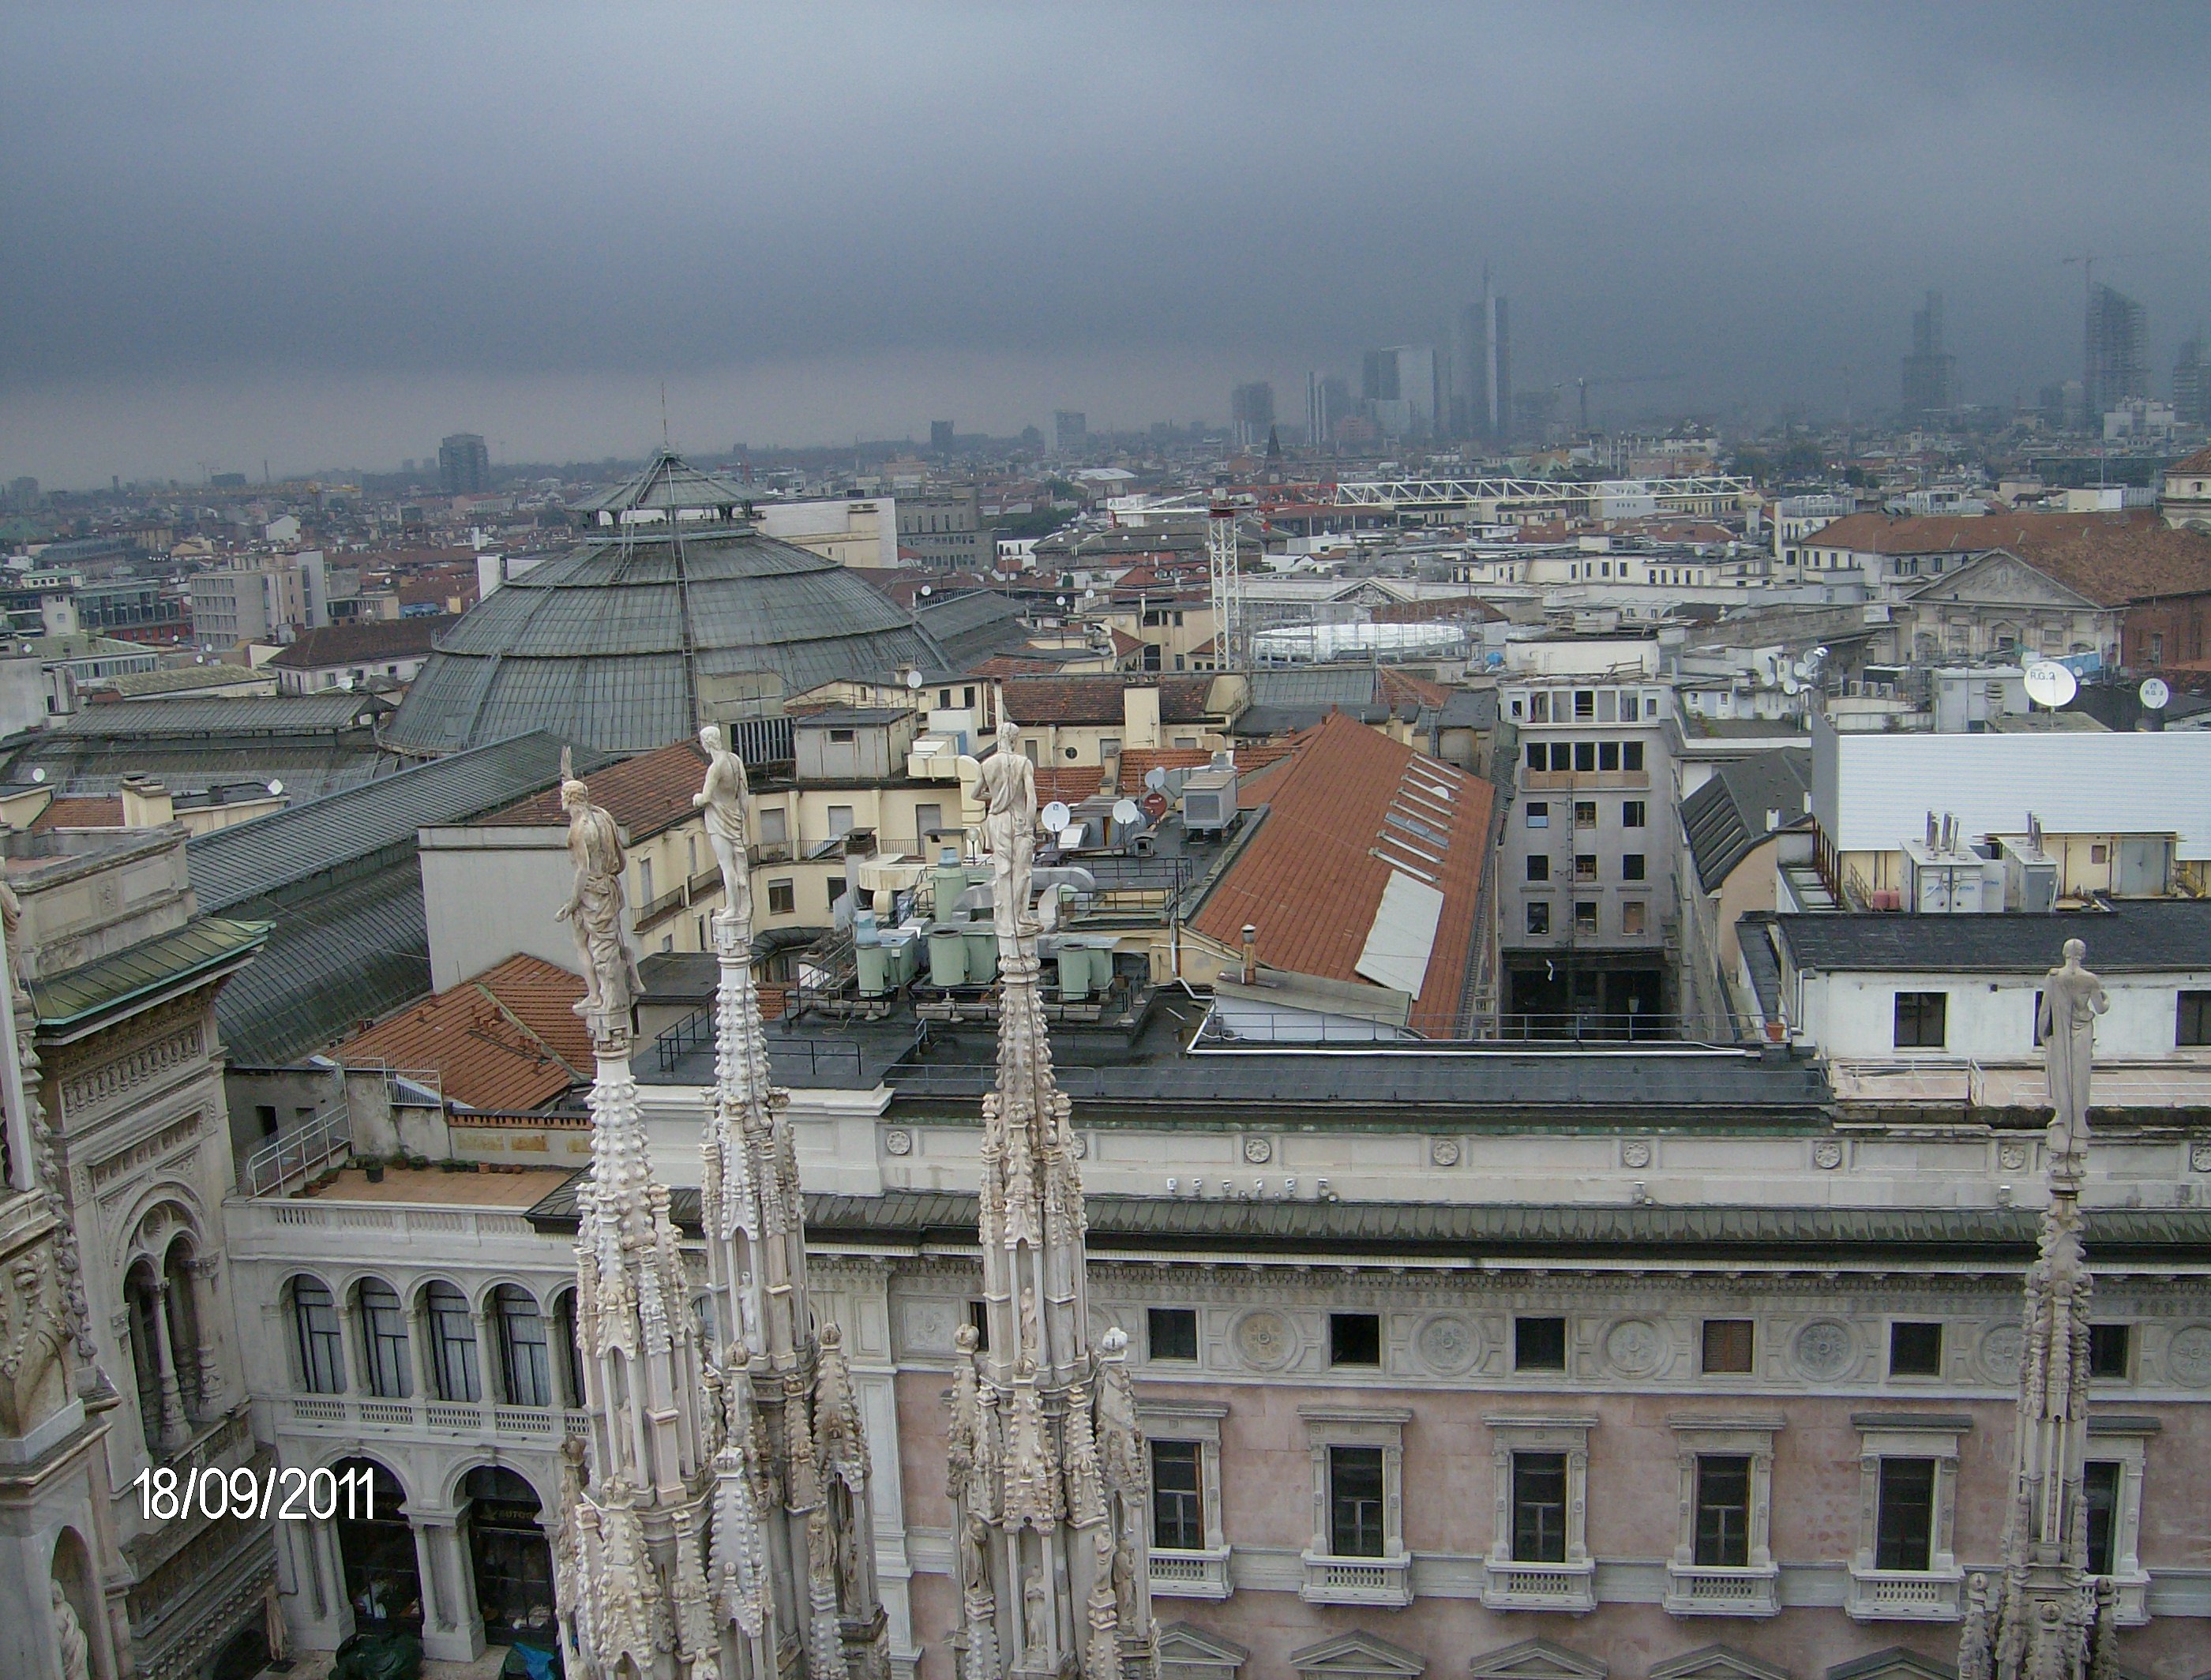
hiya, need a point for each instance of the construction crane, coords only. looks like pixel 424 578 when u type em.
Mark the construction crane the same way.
pixel 1229 650
pixel 1582 386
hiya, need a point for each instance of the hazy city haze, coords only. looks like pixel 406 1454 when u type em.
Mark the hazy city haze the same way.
pixel 325 236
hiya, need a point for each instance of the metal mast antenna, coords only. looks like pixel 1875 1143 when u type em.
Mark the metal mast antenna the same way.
pixel 1229 652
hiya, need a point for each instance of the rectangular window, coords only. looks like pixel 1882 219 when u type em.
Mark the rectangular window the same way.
pixel 837 888
pixel 2110 1348
pixel 644 880
pixel 1539 866
pixel 1585 705
pixel 1915 1350
pixel 1585 916
pixel 1920 1020
pixel 1539 916
pixel 1608 700
pixel 1354 1501
pixel 1539 1345
pixel 1539 1508
pixel 1905 1527
pixel 979 1315
pixel 384 1342
pixel 774 825
pixel 1585 755
pixel 1178 1496
pixel 840 820
pixel 1634 915
pixel 782 897
pixel 1631 866
pixel 1355 1338
pixel 1628 709
pixel 1539 707
pixel 1723 1510
pixel 1631 755
pixel 2099 1485
pixel 1584 866
pixel 2192 1020
pixel 1538 755
pixel 322 1365
pixel 1727 1344
pixel 1585 813
pixel 1170 1333
pixel 1608 755
pixel 1539 813
pixel 841 737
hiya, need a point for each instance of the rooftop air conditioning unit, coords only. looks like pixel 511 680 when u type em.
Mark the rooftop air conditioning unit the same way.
pixel 1209 801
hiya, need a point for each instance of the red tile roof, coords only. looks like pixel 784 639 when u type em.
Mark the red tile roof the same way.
pixel 1097 699
pixel 2198 462
pixel 355 643
pixel 2111 558
pixel 1069 783
pixel 646 793
pixel 90 813
pixel 1137 762
pixel 1311 878
pixel 507 1040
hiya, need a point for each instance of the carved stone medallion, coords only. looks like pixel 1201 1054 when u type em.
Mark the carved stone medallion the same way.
pixel 1447 1344
pixel 1823 1349
pixel 1445 1152
pixel 2013 1155
pixel 1635 1347
pixel 930 1325
pixel 1635 1152
pixel 1258 1150
pixel 1082 1145
pixel 2000 1353
pixel 1264 1340
pixel 897 1141
pixel 2188 1356
pixel 1827 1155
pixel 2199 1155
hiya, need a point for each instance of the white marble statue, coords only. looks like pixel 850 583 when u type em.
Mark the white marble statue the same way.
pixel 594 907
pixel 721 797
pixel 2072 997
pixel 72 1647
pixel 1006 785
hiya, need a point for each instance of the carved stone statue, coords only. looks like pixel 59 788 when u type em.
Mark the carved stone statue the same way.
pixel 2072 997
pixel 74 1648
pixel 594 909
pixel 721 797
pixel 1006 785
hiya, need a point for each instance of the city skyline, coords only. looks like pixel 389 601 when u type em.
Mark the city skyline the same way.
pixel 222 256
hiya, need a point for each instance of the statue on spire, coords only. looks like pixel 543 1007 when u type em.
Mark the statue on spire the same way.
pixel 597 904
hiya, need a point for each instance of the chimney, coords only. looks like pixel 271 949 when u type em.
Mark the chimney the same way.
pixel 146 803
pixel 1251 954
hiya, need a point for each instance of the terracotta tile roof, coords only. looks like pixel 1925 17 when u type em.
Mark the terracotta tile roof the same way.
pixel 1098 699
pixel 1137 762
pixel 1392 685
pixel 2111 558
pixel 1007 665
pixel 91 813
pixel 1124 644
pixel 646 793
pixel 1069 783
pixel 507 1040
pixel 2198 462
pixel 1311 877
pixel 378 639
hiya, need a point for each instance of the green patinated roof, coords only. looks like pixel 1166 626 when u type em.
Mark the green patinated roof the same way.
pixel 199 947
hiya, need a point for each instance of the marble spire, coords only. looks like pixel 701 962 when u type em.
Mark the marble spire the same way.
pixel 2043 1617
pixel 1047 1469
pixel 792 1566
pixel 631 1554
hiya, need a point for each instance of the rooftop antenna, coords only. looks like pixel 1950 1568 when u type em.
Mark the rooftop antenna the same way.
pixel 664 417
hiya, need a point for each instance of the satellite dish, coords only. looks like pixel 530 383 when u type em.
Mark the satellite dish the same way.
pixel 1056 817
pixel 1126 811
pixel 39 774
pixel 2154 693
pixel 275 788
pixel 928 588
pixel 2049 684
pixel 914 678
pixel 1790 685
pixel 1155 778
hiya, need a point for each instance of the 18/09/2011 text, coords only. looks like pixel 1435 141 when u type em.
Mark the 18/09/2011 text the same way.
pixel 290 1495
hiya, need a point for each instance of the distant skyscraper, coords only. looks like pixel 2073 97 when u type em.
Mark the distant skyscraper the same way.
pixel 1328 400
pixel 1378 376
pixel 940 437
pixel 1481 404
pixel 1251 414
pixel 2117 365
pixel 1405 373
pixel 2192 385
pixel 1928 370
pixel 1070 431
pixel 464 465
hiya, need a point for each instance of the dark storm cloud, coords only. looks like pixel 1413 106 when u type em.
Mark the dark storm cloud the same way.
pixel 572 197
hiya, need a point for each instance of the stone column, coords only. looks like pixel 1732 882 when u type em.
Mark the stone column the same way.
pixel 487 1383
pixel 208 1367
pixel 459 1636
pixel 356 1372
pixel 173 1432
pixel 418 1349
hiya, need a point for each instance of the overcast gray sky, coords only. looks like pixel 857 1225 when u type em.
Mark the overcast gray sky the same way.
pixel 325 235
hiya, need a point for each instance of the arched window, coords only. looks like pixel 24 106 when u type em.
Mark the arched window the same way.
pixel 383 1341
pixel 453 1343
pixel 526 1367
pixel 144 1300
pixel 183 1308
pixel 566 1348
pixel 315 1330
pixel 376 1546
pixel 513 1564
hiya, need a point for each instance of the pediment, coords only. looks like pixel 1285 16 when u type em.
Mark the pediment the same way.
pixel 1181 1642
pixel 2000 578
pixel 1536 1660
pixel 1895 1664
pixel 1358 1655
pixel 1717 1662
